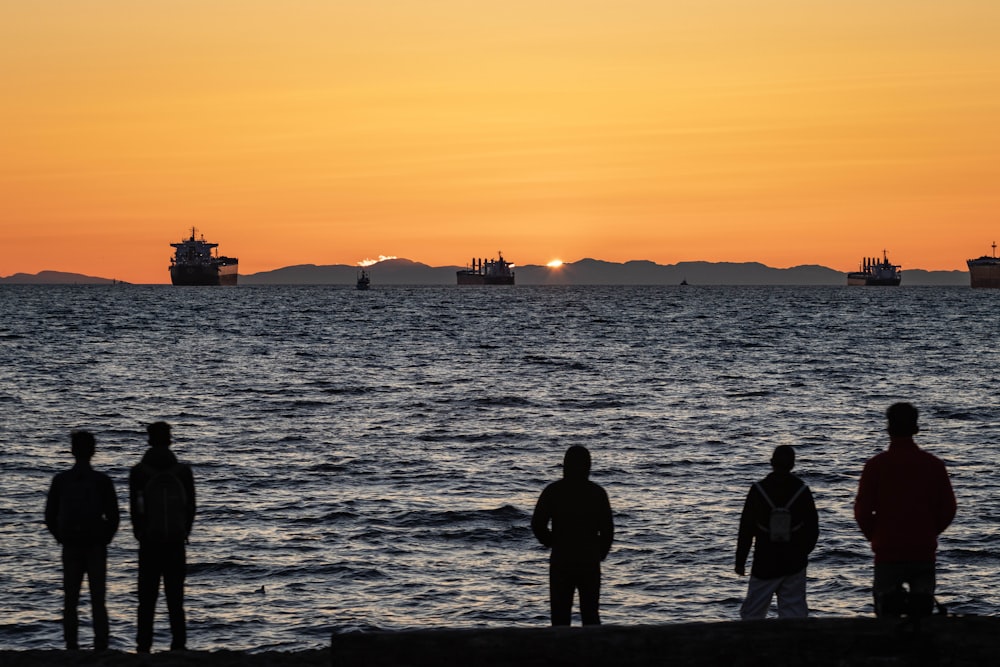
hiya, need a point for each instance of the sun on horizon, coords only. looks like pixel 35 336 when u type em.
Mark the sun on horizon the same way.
pixel 555 264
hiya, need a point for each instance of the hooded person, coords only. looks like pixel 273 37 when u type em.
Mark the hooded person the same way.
pixel 579 536
pixel 162 503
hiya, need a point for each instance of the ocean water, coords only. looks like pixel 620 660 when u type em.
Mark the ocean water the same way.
pixel 371 459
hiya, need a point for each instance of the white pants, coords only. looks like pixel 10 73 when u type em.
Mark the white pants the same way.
pixel 791 590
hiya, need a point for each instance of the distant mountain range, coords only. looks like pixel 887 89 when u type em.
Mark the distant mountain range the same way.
pixel 583 272
pixel 54 278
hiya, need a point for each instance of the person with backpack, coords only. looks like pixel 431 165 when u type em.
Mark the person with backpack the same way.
pixel 582 529
pixel 779 519
pixel 81 512
pixel 162 503
pixel 905 500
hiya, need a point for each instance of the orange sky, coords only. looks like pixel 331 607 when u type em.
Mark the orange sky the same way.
pixel 308 131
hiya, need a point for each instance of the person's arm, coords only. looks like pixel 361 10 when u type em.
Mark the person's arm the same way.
pixel 110 507
pixel 52 510
pixel 606 525
pixel 745 537
pixel 811 524
pixel 946 505
pixel 188 480
pixel 540 520
pixel 864 502
pixel 135 483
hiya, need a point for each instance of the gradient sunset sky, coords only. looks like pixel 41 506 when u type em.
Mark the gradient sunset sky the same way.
pixel 781 131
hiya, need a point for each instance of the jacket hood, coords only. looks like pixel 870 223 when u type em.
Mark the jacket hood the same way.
pixel 576 464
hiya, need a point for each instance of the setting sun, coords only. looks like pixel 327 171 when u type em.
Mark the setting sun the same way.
pixel 555 264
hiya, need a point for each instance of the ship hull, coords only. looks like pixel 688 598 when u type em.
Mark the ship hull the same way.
pixel 201 275
pixel 984 274
pixel 471 278
pixel 883 282
pixel 857 279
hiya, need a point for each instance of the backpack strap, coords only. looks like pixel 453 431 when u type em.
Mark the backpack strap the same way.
pixel 770 502
pixel 795 497
pixel 764 493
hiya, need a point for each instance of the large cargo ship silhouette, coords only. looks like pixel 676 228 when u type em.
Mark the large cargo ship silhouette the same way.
pixel 194 263
pixel 487 272
pixel 874 272
pixel 985 271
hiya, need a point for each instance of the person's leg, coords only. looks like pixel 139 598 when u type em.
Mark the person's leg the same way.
pixel 174 571
pixel 97 574
pixel 792 596
pixel 561 586
pixel 758 600
pixel 149 589
pixel 888 594
pixel 922 581
pixel 589 586
pixel 74 565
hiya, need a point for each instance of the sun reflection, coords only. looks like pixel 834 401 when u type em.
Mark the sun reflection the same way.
pixel 555 264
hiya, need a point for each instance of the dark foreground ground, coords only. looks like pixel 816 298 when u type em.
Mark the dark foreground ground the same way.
pixel 834 642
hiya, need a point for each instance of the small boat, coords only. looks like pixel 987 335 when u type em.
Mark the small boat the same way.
pixel 364 280
pixel 684 282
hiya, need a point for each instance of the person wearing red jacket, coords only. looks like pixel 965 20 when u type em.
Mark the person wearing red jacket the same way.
pixel 904 502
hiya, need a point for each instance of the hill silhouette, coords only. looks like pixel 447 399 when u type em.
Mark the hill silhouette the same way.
pixel 592 272
pixel 583 272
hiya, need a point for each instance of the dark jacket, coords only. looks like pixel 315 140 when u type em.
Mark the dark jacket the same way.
pixel 582 525
pixel 158 458
pixel 105 517
pixel 904 502
pixel 777 559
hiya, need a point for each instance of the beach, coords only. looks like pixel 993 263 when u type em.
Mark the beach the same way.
pixel 951 641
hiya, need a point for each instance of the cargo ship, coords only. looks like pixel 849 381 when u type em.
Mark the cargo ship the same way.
pixel 194 263
pixel 985 271
pixel 487 272
pixel 873 272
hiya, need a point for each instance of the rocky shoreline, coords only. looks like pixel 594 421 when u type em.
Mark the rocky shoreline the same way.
pixel 952 641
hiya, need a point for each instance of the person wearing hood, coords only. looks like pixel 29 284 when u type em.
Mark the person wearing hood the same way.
pixel 162 502
pixel 81 512
pixel 781 550
pixel 580 537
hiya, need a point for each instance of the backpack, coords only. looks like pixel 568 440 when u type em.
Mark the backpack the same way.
pixel 164 506
pixel 81 517
pixel 779 526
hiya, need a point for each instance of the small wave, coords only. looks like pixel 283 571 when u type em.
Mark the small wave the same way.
pixel 595 404
pixel 427 518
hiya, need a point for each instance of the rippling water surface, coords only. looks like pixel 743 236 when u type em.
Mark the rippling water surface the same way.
pixel 372 458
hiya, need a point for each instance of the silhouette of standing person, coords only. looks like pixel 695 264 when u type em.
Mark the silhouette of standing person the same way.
pixel 81 512
pixel 580 537
pixel 781 544
pixel 161 497
pixel 904 502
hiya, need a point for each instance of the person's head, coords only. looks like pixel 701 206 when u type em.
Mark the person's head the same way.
pixel 82 444
pixel 576 463
pixel 902 419
pixel 159 434
pixel 783 458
